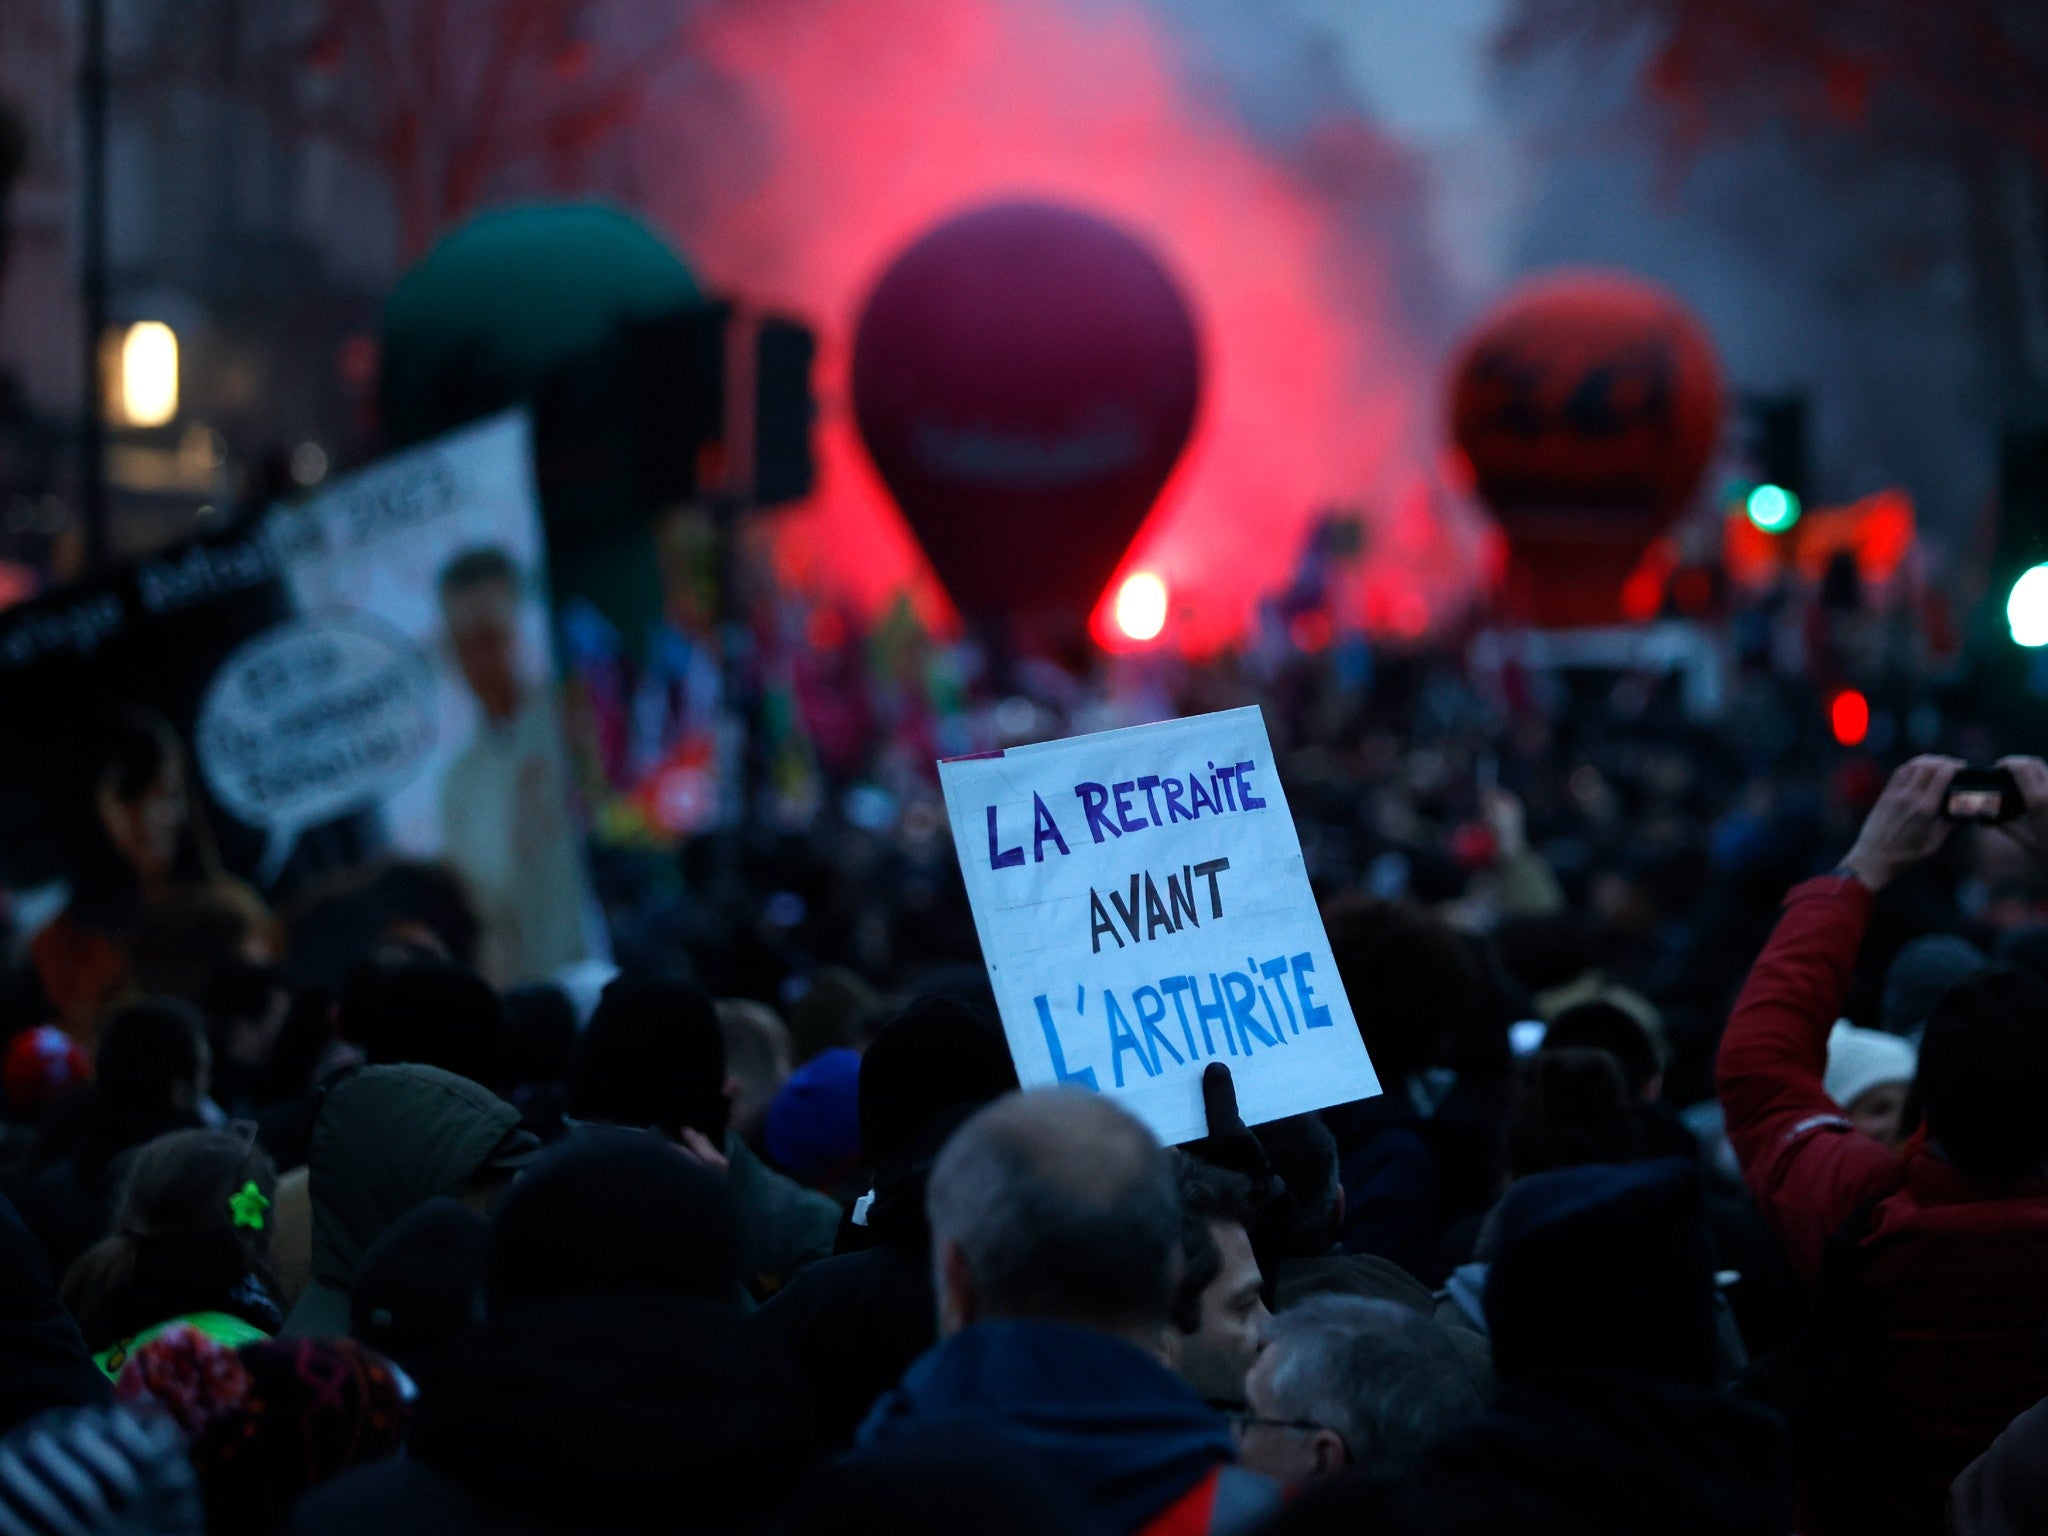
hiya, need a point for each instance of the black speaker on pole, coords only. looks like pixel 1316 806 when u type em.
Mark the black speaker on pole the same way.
pixel 675 365
pixel 784 469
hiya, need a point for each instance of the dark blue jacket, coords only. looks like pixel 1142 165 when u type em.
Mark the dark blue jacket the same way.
pixel 1392 1205
pixel 1100 1413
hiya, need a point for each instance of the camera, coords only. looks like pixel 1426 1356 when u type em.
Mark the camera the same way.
pixel 1988 795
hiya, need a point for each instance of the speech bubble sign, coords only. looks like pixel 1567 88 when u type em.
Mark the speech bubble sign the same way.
pixel 312 720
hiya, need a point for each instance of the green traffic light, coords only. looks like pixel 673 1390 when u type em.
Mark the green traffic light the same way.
pixel 1772 508
pixel 2026 608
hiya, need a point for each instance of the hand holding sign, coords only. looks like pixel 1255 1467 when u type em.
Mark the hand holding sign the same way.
pixel 310 721
pixel 1144 911
pixel 1229 1144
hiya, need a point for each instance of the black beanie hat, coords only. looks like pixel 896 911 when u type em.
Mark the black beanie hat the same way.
pixel 429 1013
pixel 145 1049
pixel 1983 1075
pixel 610 1212
pixel 1607 1267
pixel 418 1284
pixel 935 1055
pixel 652 1057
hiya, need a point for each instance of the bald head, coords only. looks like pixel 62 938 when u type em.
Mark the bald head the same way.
pixel 1055 1205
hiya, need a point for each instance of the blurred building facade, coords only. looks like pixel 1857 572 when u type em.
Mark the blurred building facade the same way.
pixel 260 240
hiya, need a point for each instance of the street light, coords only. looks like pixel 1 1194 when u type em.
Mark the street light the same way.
pixel 145 382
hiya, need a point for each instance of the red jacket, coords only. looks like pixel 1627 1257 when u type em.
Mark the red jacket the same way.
pixel 1953 1289
pixel 1227 1500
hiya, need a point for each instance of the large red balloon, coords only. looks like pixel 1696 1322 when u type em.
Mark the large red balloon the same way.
pixel 1588 404
pixel 1025 376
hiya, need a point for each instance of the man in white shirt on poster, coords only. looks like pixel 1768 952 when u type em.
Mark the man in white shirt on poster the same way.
pixel 504 801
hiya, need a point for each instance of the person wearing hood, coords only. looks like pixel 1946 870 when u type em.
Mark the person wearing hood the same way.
pixel 652 1058
pixel 1055 1245
pixel 1608 1421
pixel 609 1386
pixel 402 1004
pixel 388 1139
pixel 854 1323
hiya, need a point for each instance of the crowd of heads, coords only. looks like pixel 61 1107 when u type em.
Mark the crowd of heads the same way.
pixel 309 1227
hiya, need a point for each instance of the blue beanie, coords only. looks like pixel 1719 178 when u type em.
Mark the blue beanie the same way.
pixel 813 1125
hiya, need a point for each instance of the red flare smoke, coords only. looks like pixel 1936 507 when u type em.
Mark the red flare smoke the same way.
pixel 849 126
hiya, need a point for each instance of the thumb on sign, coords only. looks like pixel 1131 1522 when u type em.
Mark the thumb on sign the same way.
pixel 1276 1210
pixel 1229 1144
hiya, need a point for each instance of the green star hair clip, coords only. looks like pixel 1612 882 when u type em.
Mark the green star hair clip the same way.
pixel 247 1206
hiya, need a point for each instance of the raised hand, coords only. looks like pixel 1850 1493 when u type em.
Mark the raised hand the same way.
pixel 1906 824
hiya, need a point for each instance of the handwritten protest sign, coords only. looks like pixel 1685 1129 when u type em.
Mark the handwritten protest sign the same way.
pixel 1144 911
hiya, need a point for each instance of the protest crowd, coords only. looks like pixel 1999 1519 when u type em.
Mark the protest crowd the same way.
pixel 1023 768
pixel 1707 1190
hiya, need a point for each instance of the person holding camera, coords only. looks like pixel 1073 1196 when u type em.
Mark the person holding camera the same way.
pixel 1928 1263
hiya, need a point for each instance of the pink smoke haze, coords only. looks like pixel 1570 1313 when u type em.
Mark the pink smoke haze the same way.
pixel 848 127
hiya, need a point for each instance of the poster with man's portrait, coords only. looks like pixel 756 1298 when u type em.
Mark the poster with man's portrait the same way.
pixel 441 549
pixel 365 673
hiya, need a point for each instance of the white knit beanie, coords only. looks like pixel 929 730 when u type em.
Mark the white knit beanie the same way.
pixel 1860 1059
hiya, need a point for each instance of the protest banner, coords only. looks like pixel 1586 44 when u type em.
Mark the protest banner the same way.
pixel 1144 910
pixel 366 671
pixel 441 548
pixel 82 665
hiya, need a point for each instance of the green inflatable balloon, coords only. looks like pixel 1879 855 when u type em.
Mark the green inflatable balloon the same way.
pixel 534 305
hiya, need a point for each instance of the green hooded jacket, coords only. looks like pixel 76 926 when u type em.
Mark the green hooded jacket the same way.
pixel 783 1227
pixel 389 1139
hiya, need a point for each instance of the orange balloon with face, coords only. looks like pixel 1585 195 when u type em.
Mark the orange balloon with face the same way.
pixel 1588 404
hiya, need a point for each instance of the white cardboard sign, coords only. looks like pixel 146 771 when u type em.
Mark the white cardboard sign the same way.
pixel 1144 911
